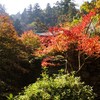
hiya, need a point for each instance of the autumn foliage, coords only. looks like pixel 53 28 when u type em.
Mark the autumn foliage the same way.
pixel 63 47
pixel 12 54
pixel 62 40
pixel 30 40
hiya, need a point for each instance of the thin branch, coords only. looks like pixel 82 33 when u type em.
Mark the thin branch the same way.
pixel 80 66
pixel 79 60
pixel 66 67
pixel 89 26
pixel 66 63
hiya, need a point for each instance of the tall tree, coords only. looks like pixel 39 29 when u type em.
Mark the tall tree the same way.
pixel 18 26
pixel 67 10
pixel 63 6
pixel 48 14
pixel 72 11
pixel 2 9
pixel 37 11
pixel 24 16
pixel 30 14
pixel 37 26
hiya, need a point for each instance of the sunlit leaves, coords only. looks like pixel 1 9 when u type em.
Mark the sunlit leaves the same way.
pixel 87 7
pixel 91 46
pixel 6 26
pixel 10 45
pixel 61 38
pixel 98 4
pixel 30 40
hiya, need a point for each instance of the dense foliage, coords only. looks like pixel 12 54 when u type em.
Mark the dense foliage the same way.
pixel 59 87
pixel 13 58
pixel 76 40
pixel 74 45
pixel 30 40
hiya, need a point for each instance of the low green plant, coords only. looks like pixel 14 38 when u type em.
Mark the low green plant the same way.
pixel 58 87
pixel 10 97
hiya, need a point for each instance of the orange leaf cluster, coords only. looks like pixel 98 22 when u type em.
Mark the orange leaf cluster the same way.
pixel 48 62
pixel 91 46
pixel 61 38
pixel 6 26
pixel 30 40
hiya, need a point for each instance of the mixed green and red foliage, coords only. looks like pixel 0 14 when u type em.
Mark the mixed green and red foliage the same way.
pixel 75 43
pixel 72 47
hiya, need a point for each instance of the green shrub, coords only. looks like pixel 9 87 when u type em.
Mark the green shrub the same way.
pixel 58 87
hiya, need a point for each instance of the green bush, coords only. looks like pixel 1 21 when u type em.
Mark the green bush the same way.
pixel 58 87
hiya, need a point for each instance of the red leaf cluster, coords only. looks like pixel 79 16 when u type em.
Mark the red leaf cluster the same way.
pixel 61 38
pixel 90 46
pixel 48 62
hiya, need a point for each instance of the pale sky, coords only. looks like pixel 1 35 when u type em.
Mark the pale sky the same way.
pixel 14 6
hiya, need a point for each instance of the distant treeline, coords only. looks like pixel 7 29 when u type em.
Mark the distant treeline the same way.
pixel 39 20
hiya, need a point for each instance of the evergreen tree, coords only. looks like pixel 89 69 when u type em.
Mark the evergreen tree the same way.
pixel 51 16
pixel 24 16
pixel 37 26
pixel 37 11
pixel 48 15
pixel 18 26
pixel 67 10
pixel 72 11
pixel 30 14
pixel 2 9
